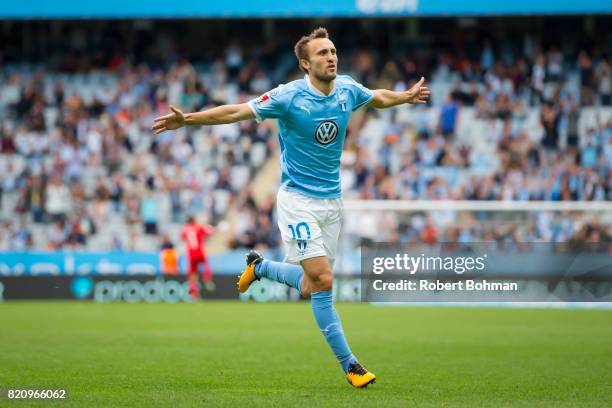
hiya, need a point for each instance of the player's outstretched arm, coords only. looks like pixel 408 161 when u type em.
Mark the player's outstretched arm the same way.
pixel 416 95
pixel 215 116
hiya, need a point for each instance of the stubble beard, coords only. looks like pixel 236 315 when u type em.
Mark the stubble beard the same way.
pixel 325 77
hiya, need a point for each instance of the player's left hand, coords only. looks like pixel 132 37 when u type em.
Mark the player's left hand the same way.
pixel 419 93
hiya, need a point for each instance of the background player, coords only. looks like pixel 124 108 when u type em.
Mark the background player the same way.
pixel 194 236
pixel 313 115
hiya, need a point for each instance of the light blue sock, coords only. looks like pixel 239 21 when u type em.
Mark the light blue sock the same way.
pixel 282 272
pixel 331 327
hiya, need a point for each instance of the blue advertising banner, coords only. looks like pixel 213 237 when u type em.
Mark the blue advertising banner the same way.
pixel 283 9
pixel 42 263
pixel 78 263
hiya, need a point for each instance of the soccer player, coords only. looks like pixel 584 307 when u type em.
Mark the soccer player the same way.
pixel 312 114
pixel 194 235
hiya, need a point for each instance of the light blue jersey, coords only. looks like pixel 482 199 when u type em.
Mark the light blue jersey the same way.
pixel 312 128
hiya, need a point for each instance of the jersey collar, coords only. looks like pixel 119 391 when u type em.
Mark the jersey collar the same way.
pixel 315 90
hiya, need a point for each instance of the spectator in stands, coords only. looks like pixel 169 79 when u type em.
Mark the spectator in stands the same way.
pixel 6 235
pixel 76 239
pixel 587 79
pixel 7 143
pixel 604 79
pixel 572 115
pixel 32 199
pixel 149 212
pixel 538 74
pixel 22 238
pixel 448 116
pixel 57 235
pixel 57 199
pixel 549 119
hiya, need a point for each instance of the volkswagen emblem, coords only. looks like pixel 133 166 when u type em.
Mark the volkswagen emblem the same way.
pixel 326 132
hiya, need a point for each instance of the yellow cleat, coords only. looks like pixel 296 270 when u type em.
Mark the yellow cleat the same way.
pixel 359 377
pixel 248 275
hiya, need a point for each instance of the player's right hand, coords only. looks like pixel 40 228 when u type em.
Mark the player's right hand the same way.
pixel 171 121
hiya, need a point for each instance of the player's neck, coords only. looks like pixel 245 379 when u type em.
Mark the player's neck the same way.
pixel 325 87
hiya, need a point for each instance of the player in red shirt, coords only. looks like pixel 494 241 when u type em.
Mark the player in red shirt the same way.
pixel 194 235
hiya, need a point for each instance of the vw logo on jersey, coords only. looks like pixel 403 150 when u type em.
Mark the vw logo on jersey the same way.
pixel 326 132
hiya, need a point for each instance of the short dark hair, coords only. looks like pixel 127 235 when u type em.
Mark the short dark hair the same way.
pixel 300 47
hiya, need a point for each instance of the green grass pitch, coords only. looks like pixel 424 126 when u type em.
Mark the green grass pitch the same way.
pixel 246 354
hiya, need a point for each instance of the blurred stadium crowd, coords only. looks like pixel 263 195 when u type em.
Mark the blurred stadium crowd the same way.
pixel 512 120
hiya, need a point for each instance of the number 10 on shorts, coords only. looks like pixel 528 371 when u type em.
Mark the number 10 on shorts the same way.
pixel 300 233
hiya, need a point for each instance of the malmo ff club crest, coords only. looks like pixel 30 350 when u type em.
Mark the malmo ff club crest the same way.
pixel 326 132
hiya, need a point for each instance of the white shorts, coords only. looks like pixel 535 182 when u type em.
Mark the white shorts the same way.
pixel 309 227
